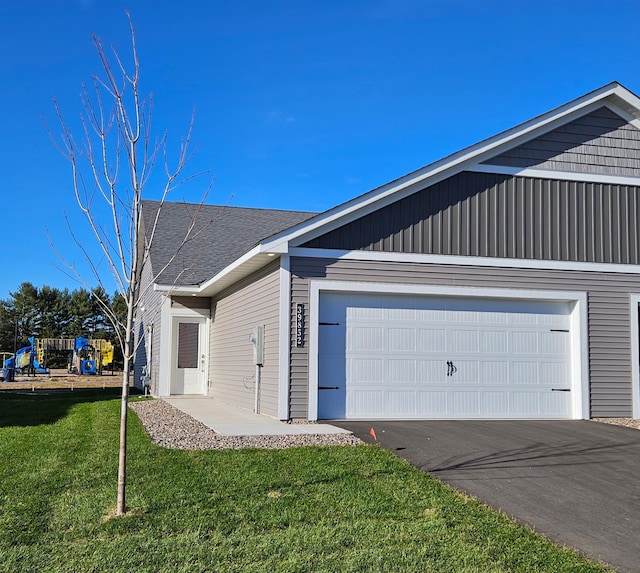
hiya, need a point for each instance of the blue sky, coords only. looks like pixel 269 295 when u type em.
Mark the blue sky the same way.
pixel 299 105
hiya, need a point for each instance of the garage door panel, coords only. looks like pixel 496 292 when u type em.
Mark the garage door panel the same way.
pixel 365 404
pixel 555 374
pixel 365 338
pixel 553 343
pixel 431 404
pixel 401 371
pixel 363 371
pixel 459 340
pixel 494 341
pixel 526 404
pixel 464 404
pixel 423 357
pixel 495 404
pixel 402 339
pixel 432 340
pixel 467 372
pixel 399 401
pixel 430 371
pixel 494 372
pixel 524 373
pixel 431 315
pixel 523 342
pixel 555 403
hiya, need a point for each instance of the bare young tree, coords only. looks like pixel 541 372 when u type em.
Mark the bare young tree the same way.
pixel 111 165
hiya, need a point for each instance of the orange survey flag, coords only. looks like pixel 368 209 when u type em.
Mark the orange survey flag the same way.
pixel 373 433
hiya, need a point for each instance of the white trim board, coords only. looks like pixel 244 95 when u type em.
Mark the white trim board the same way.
pixel 388 257
pixel 285 338
pixel 579 335
pixel 634 302
pixel 549 174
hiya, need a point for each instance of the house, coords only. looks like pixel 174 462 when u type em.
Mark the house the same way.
pixel 502 281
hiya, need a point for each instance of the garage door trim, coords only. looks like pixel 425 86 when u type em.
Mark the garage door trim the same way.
pixel 578 321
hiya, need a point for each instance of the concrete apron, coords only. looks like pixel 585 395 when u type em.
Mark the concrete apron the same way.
pixel 229 420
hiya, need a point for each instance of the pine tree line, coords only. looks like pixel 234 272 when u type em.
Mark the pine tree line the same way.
pixel 49 312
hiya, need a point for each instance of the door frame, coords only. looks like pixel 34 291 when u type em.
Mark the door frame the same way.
pixel 634 320
pixel 169 318
pixel 579 335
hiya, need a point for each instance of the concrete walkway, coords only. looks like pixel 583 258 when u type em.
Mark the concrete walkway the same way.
pixel 232 421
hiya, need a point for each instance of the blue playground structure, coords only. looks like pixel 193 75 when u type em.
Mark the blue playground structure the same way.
pixel 88 356
pixel 83 360
pixel 23 360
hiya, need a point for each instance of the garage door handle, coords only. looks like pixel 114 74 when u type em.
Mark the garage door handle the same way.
pixel 328 387
pixel 451 369
pixel 561 389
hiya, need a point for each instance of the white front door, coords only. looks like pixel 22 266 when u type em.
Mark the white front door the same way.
pixel 189 358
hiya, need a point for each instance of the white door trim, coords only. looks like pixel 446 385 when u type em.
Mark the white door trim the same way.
pixel 579 335
pixel 634 303
pixel 167 339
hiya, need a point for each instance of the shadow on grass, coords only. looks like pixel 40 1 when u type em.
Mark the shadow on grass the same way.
pixel 47 406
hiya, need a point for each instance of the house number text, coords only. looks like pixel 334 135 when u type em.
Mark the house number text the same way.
pixel 300 325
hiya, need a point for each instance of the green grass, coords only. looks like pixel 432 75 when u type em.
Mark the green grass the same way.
pixel 305 509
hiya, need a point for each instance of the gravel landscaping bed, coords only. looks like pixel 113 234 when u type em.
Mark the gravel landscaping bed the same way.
pixel 171 428
pixel 627 422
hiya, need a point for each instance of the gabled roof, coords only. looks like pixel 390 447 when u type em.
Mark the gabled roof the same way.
pixel 613 95
pixel 219 235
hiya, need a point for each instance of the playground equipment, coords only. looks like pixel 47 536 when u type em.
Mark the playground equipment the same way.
pixel 89 356
pixel 6 373
pixel 24 359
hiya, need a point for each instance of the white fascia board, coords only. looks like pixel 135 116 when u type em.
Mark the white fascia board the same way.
pixel 185 290
pixel 196 290
pixel 550 174
pixel 232 267
pixel 378 256
pixel 448 166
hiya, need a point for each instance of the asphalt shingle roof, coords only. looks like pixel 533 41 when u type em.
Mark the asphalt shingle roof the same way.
pixel 220 235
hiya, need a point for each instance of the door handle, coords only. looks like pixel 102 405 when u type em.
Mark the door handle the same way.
pixel 451 368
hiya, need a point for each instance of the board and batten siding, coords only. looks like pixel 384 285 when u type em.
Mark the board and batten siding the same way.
pixel 493 215
pixel 235 313
pixel 608 314
pixel 600 142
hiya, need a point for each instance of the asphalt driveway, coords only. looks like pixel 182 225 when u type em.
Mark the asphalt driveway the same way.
pixel 576 482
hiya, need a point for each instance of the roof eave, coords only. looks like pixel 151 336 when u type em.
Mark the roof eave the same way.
pixel 247 264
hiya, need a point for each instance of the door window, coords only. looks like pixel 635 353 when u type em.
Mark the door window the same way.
pixel 188 344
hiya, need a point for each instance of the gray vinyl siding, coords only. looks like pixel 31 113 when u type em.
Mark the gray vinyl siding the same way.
pixel 492 215
pixel 601 142
pixel 608 314
pixel 234 314
pixel 151 302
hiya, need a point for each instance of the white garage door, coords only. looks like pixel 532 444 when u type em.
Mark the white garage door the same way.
pixel 391 356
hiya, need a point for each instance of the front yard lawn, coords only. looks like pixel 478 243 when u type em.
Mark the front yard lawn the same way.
pixel 304 509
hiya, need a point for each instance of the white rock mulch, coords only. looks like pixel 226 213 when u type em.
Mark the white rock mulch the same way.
pixel 171 428
pixel 627 422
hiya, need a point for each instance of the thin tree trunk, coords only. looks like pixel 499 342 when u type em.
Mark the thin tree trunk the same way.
pixel 121 507
pixel 122 459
